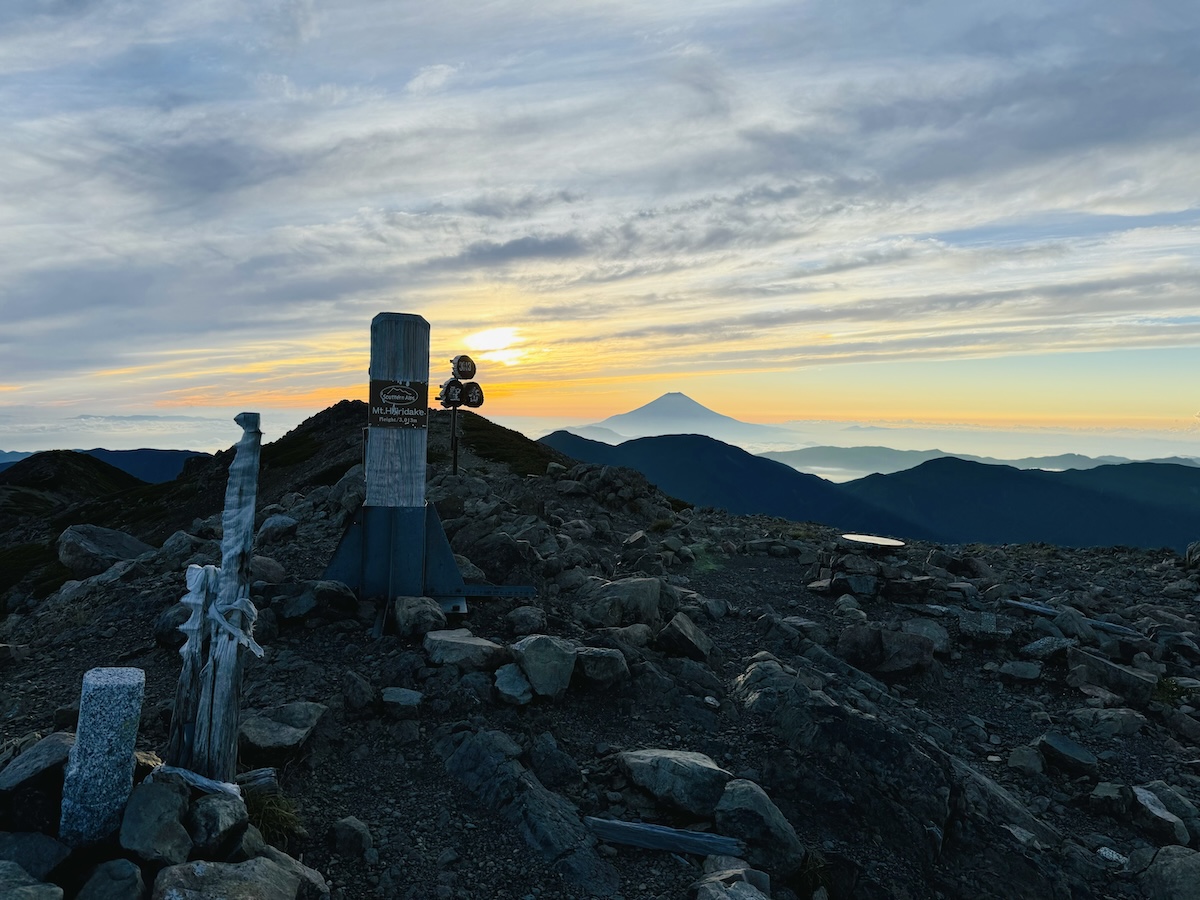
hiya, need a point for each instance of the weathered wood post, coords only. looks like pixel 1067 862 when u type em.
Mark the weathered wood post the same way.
pixel 398 420
pixel 397 436
pixel 202 584
pixel 231 617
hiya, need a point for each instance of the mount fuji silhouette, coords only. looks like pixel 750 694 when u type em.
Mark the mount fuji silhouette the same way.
pixel 677 413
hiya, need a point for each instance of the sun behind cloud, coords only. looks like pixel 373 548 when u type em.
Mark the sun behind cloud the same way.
pixel 500 345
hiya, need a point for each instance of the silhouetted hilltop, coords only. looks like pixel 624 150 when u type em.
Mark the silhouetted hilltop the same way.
pixel 707 472
pixel 149 465
pixel 1136 504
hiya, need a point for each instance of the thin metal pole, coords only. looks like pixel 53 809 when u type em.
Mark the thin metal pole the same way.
pixel 454 437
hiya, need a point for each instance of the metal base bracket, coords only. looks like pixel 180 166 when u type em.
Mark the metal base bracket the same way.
pixel 402 551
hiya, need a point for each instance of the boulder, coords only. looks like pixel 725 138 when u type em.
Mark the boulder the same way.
pixel 526 620
pixel 417 616
pixel 908 590
pixel 17 884
pixel 603 666
pixel 691 781
pixel 458 647
pixel 1067 754
pixel 746 812
pixel 1019 670
pixel 216 823
pixel 626 602
pixel 553 766
pixel 117 879
pixel 851 583
pixel 935 631
pixel 275 529
pixel 260 878
pixel 502 558
pixel 264 568
pixel 1159 823
pixel 888 654
pixel 38 854
pixel 547 662
pixel 682 637
pixel 152 826
pixel 166 628
pixel 279 731
pixel 1173 875
pixel 357 692
pixel 401 703
pixel 330 599
pixel 1109 723
pixel 1174 800
pixel 1086 668
pixel 89 549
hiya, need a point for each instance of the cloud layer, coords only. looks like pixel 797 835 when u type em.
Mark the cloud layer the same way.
pixel 202 205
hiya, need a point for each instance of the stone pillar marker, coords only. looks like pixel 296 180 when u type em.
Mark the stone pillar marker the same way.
pixel 99 774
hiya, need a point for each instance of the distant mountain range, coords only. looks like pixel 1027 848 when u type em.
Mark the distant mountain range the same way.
pixel 152 466
pixel 860 461
pixel 676 413
pixel 946 499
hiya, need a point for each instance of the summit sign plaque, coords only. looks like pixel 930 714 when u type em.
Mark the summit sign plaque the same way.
pixel 398 404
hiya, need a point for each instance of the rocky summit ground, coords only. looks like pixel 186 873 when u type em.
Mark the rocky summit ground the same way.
pixel 921 721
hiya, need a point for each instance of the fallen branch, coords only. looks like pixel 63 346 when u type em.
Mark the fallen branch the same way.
pixel 660 837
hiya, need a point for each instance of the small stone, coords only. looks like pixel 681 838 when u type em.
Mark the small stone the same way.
pixel 357 692
pixel 512 686
pixel 351 837
pixel 1026 760
pixel 526 620
pixel 1060 750
pixel 1021 671
pixel 402 703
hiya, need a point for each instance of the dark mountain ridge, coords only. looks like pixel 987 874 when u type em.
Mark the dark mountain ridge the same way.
pixel 947 498
pixel 149 465
pixel 707 472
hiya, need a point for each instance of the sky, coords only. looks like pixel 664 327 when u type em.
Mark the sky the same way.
pixel 929 213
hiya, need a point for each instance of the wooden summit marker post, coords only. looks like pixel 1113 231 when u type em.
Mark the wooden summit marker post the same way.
pixel 398 418
pixel 397 437
pixel 395 545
